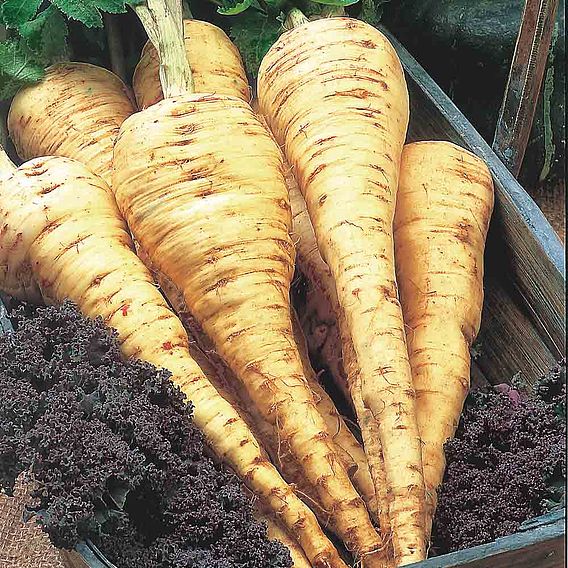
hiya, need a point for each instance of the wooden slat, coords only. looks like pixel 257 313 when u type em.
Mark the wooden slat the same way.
pixel 528 251
pixel 540 546
pixel 509 342
pixel 516 116
pixel 85 555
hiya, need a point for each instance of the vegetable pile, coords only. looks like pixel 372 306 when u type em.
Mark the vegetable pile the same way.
pixel 114 451
pixel 218 199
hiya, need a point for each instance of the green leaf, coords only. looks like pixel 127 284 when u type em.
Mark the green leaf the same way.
pixel 372 11
pixel 16 12
pixel 18 67
pixel 88 12
pixel 254 33
pixel 232 8
pixel 46 35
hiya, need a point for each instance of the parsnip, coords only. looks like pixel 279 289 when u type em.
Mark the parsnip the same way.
pixel 445 200
pixel 347 375
pixel 334 94
pixel 75 112
pixel 215 63
pixel 62 237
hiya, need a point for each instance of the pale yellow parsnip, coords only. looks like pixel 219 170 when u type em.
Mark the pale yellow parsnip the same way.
pixel 348 448
pixel 216 65
pixel 321 280
pixel 334 94
pixel 445 200
pixel 75 112
pixel 213 215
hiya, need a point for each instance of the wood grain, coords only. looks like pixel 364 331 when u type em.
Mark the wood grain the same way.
pixel 540 545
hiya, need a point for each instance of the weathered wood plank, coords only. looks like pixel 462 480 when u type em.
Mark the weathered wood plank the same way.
pixel 85 555
pixel 524 83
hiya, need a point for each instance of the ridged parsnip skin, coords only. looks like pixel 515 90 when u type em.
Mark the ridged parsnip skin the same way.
pixel 226 383
pixel 347 447
pixel 215 62
pixel 311 263
pixel 334 94
pixel 350 449
pixel 75 111
pixel 445 200
pixel 321 280
pixel 212 213
pixel 63 224
pixel 277 532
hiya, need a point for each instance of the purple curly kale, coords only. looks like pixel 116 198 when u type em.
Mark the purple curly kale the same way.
pixel 505 464
pixel 115 454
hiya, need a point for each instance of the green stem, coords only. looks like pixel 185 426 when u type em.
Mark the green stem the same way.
pixel 294 19
pixel 162 20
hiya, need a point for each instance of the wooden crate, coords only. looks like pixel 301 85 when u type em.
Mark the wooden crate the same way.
pixel 524 327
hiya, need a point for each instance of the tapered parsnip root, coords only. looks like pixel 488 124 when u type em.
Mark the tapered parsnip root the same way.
pixel 334 94
pixel 311 262
pixel 345 441
pixel 75 111
pixel 235 281
pixel 319 320
pixel 337 348
pixel 347 447
pixel 445 200
pixel 61 229
pixel 226 382
pixel 215 63
pixel 321 281
pixel 322 296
